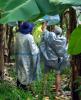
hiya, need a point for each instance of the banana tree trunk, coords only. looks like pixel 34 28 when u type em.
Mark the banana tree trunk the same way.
pixel 76 60
pixel 1 53
pixel 9 43
pixel 76 71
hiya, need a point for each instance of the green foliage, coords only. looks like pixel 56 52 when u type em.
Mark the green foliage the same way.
pixel 68 2
pixel 67 71
pixel 10 4
pixel 14 10
pixel 9 92
pixel 42 88
pixel 78 80
pixel 25 11
pixel 12 72
pixel 78 83
pixel 74 46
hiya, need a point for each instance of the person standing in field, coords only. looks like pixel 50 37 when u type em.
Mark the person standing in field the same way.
pixel 53 48
pixel 27 56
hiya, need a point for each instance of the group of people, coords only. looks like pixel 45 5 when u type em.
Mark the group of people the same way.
pixel 52 48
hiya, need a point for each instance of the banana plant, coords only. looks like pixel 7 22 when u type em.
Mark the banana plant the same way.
pixel 15 10
pixel 74 47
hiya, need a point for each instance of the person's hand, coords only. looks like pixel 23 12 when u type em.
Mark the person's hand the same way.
pixel 44 26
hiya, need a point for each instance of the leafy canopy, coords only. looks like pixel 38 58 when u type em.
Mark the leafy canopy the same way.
pixel 14 10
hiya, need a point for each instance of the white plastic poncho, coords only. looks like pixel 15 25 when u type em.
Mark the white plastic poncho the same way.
pixel 60 47
pixel 27 58
pixel 49 54
pixel 54 50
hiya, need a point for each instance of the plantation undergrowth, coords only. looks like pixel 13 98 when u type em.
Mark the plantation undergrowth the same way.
pixel 42 90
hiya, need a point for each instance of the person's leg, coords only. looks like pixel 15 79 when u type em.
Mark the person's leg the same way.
pixel 58 83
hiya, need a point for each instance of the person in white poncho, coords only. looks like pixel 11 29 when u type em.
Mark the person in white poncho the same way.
pixel 27 56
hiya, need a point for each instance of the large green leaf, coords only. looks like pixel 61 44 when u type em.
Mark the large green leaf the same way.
pixel 28 10
pixel 55 6
pixel 46 7
pixel 74 46
pixel 7 5
pixel 67 2
pixel 31 9
pixel 25 11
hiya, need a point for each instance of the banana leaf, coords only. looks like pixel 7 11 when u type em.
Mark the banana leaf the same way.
pixel 14 10
pixel 6 5
pixel 26 11
pixel 67 2
pixel 11 4
pixel 74 46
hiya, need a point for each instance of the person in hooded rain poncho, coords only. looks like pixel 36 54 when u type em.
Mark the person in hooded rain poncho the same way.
pixel 60 47
pixel 27 56
pixel 50 58
pixel 53 48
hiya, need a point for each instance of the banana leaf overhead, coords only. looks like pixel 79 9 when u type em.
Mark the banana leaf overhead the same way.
pixel 25 11
pixel 6 5
pixel 21 10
